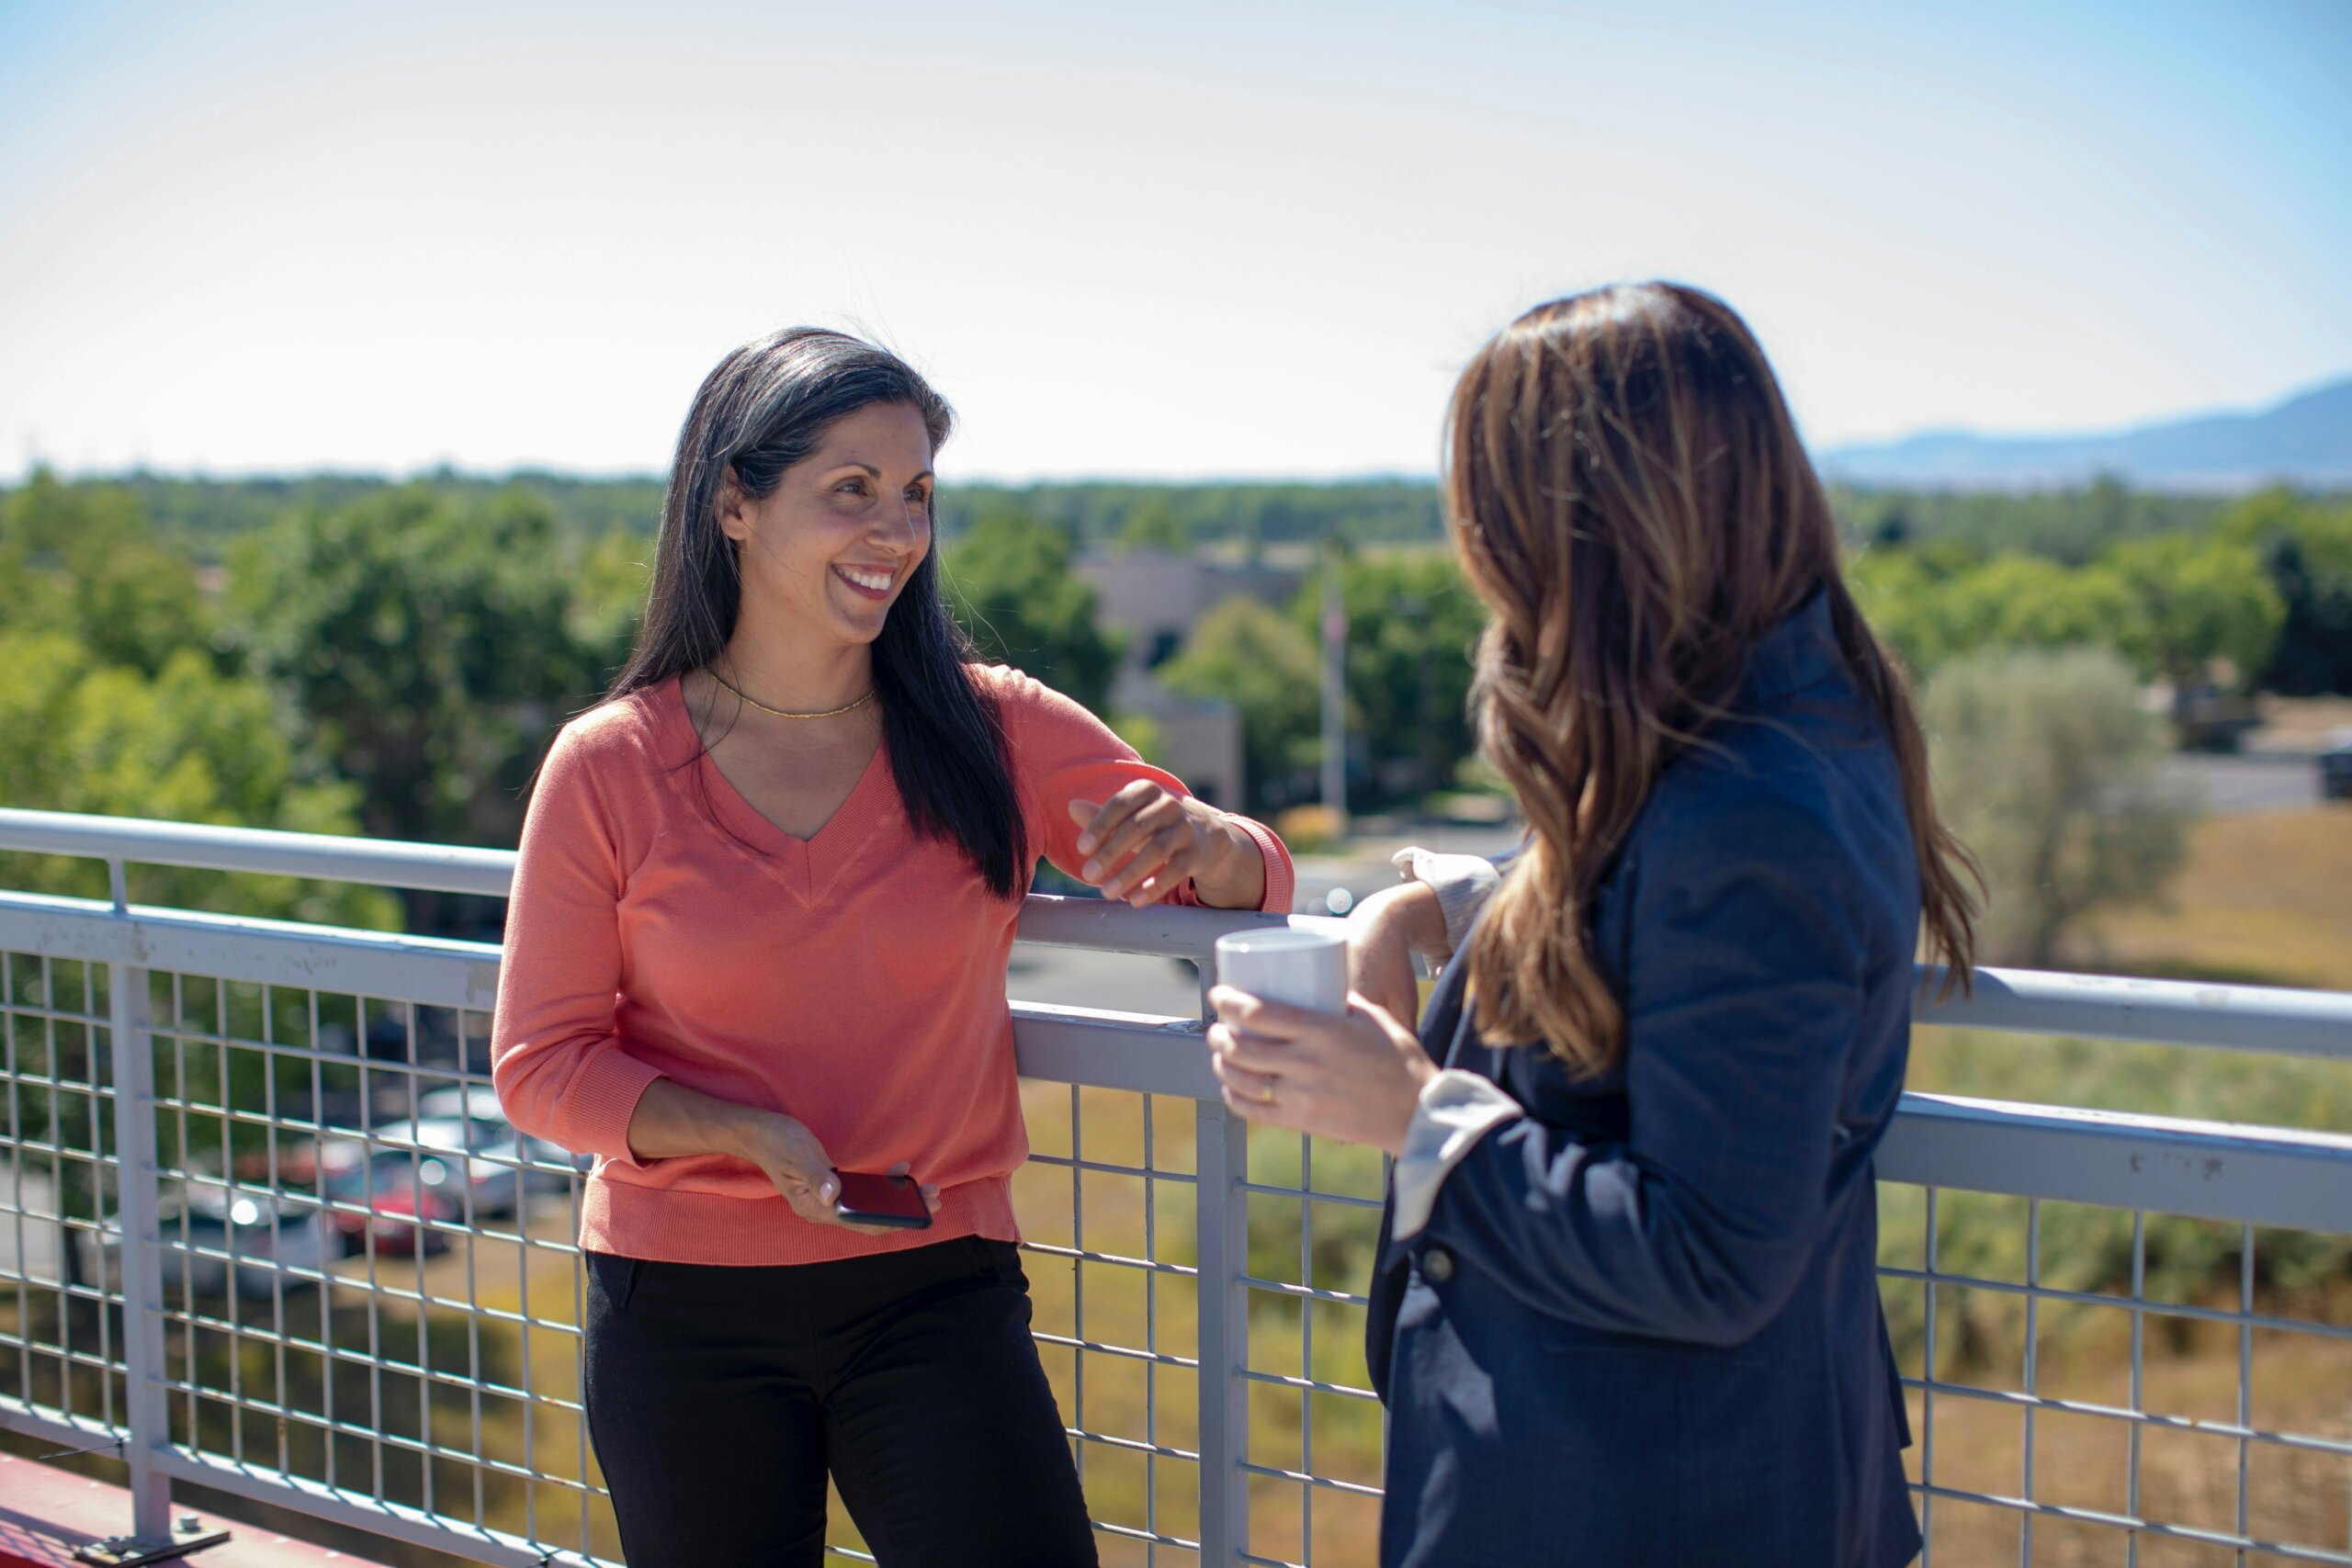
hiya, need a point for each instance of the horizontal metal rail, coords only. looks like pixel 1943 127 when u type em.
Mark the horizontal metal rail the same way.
pixel 2265 1019
pixel 2215 1170
pixel 373 863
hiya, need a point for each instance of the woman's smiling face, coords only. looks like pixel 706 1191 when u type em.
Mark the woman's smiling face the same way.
pixel 832 547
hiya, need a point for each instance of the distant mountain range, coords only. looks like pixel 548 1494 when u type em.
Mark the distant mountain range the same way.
pixel 2307 440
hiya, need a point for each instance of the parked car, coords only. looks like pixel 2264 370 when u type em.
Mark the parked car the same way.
pixel 2335 767
pixel 2207 718
pixel 214 1236
pixel 395 1196
pixel 299 1168
pixel 479 1104
pixel 478 1101
pixel 486 1155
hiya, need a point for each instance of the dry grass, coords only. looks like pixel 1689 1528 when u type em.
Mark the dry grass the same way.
pixel 2266 897
pixel 2187 1480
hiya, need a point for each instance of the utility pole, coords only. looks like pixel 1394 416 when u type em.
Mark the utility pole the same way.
pixel 1335 690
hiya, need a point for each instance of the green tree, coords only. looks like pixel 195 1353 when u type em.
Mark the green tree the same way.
pixel 2306 548
pixel 186 744
pixel 1898 596
pixel 424 646
pixel 2201 602
pixel 1260 661
pixel 1934 605
pixel 1411 621
pixel 86 558
pixel 1010 580
pixel 2046 766
pixel 1155 525
pixel 607 602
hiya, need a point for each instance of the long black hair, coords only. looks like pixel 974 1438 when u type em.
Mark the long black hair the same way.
pixel 764 408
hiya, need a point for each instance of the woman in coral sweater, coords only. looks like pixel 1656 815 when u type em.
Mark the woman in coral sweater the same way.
pixel 758 937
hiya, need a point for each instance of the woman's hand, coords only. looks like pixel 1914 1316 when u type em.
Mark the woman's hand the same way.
pixel 1384 933
pixel 672 1120
pixel 1355 1076
pixel 1144 842
pixel 793 1159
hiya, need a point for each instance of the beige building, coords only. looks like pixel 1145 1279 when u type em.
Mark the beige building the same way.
pixel 1155 597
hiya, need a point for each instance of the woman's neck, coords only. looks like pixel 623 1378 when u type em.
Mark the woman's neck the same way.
pixel 784 671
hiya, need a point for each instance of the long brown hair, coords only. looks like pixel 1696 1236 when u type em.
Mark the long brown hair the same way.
pixel 1631 499
pixel 765 406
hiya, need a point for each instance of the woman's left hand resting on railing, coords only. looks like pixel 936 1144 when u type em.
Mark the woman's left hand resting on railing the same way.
pixel 1355 1076
pixel 1146 841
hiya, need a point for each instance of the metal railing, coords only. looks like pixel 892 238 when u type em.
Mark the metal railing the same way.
pixel 183 1275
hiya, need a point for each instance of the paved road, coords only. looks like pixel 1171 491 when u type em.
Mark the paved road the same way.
pixel 1071 976
pixel 2251 780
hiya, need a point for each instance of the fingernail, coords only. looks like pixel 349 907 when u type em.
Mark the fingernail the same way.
pixel 1091 869
pixel 826 1192
pixel 1086 843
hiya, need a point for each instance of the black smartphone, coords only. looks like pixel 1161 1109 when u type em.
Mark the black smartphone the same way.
pixel 870 1199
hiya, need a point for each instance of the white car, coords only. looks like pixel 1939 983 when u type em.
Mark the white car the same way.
pixel 209 1231
pixel 477 1101
pixel 489 1153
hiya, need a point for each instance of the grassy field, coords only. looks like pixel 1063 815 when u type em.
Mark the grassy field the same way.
pixel 2266 897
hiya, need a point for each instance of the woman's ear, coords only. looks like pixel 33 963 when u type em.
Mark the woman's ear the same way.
pixel 734 509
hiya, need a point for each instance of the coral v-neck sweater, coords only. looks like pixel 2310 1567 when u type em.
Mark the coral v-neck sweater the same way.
pixel 661 927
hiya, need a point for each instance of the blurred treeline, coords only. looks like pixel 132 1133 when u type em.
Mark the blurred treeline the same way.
pixel 344 654
pixel 2251 595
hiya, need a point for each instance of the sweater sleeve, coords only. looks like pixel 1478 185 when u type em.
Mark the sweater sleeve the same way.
pixel 561 1071
pixel 1062 752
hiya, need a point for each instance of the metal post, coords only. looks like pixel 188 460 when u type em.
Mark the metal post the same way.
pixel 1335 692
pixel 147 1408
pixel 1222 1162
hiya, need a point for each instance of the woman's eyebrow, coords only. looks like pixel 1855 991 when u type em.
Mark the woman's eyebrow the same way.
pixel 874 472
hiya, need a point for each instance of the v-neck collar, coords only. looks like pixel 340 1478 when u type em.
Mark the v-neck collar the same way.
pixel 806 867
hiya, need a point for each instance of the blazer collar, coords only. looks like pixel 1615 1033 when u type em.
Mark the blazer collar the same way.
pixel 1793 655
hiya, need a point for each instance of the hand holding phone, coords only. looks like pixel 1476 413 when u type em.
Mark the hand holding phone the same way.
pixel 893 1201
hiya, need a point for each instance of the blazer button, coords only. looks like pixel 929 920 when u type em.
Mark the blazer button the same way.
pixel 1436 1264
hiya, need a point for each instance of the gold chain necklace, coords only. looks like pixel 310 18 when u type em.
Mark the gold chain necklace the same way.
pixel 779 713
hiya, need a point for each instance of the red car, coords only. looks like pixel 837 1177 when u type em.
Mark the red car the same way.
pixel 396 1188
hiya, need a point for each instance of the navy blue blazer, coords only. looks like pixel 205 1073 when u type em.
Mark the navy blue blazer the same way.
pixel 1641 1326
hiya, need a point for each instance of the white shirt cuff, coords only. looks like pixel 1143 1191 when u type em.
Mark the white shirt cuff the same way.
pixel 1463 885
pixel 1457 1109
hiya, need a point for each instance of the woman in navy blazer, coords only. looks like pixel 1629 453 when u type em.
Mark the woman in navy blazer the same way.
pixel 1625 1310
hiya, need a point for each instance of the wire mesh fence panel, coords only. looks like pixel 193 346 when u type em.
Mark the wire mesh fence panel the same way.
pixel 2090 1385
pixel 1316 1431
pixel 371 1283
pixel 369 1296
pixel 1106 1205
pixel 60 1294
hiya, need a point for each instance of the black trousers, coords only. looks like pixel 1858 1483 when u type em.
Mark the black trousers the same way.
pixel 719 1398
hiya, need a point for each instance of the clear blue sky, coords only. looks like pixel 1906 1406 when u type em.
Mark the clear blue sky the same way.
pixel 1201 240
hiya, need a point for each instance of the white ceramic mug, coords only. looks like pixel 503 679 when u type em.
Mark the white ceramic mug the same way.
pixel 1305 968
